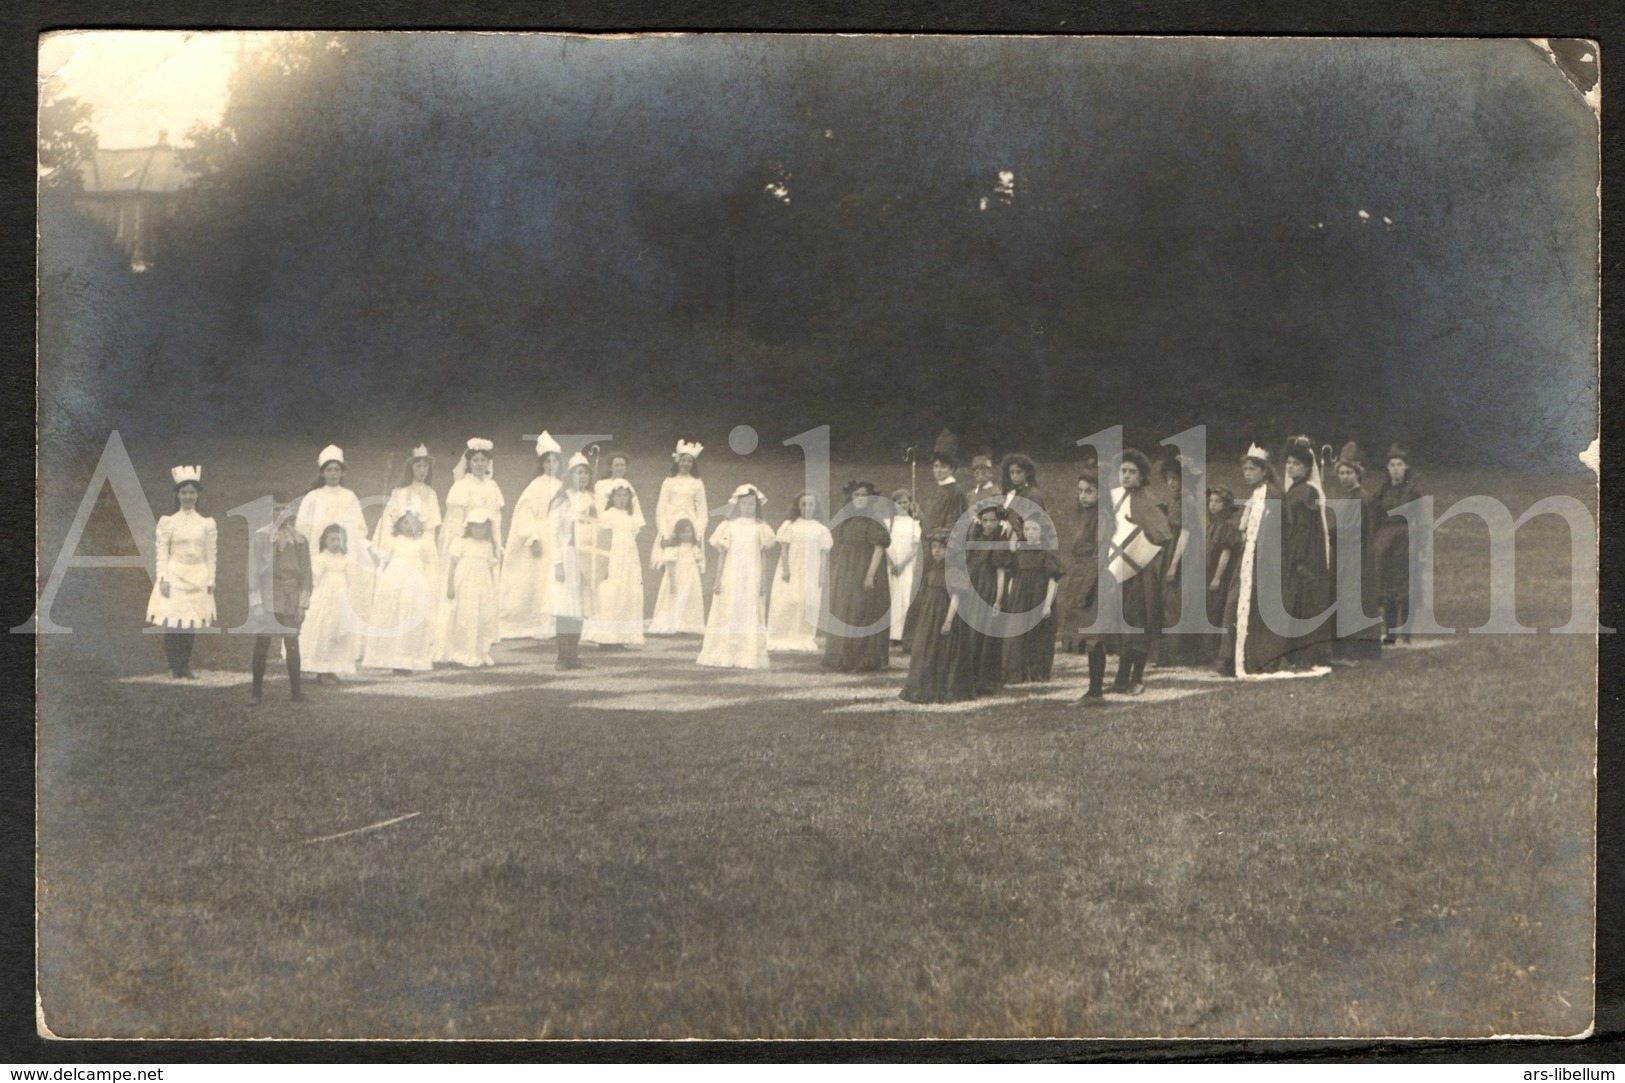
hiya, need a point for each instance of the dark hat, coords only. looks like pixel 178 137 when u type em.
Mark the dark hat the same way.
pixel 856 484
pixel 1350 457
pixel 1304 453
pixel 1400 451
pixel 981 461
pixel 946 448
pixel 940 535
pixel 1222 491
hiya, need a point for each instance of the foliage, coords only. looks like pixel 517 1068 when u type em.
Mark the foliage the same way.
pixel 66 140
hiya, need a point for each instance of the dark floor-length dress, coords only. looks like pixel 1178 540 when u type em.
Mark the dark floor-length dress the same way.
pixel 1365 644
pixel 987 647
pixel 855 541
pixel 1030 656
pixel 1391 535
pixel 1308 587
pixel 941 668
pixel 1223 536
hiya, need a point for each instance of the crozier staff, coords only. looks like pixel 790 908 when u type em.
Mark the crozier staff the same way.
pixel 182 599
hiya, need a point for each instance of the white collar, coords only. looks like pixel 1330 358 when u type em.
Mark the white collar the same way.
pixel 949 480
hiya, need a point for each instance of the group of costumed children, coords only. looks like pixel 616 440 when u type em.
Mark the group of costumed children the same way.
pixel 967 580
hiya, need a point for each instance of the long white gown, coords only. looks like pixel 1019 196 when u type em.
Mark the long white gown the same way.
pixel 467 493
pixel 682 497
pixel 527 578
pixel 794 605
pixel 402 618
pixel 330 638
pixel 187 546
pixel 680 605
pixel 619 618
pixel 471 618
pixel 904 553
pixel 321 508
pixel 736 630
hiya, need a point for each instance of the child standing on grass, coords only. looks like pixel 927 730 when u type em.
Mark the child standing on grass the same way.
pixel 941 668
pixel 987 561
pixel 902 562
pixel 278 594
pixel 471 593
pixel 798 584
pixel 736 630
pixel 619 620
pixel 329 641
pixel 680 606
pixel 1081 602
pixel 1035 575
pixel 279 586
pixel 400 635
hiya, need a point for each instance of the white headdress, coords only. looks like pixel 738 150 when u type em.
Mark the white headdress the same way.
pixel 579 459
pixel 748 489
pixel 684 447
pixel 478 443
pixel 332 453
pixel 1256 452
pixel 183 474
pixel 421 452
pixel 545 444
pixel 478 515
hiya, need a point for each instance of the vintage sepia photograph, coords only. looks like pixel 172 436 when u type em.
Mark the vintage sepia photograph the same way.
pixel 816 536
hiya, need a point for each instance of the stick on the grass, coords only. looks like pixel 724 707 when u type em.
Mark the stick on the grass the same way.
pixel 369 827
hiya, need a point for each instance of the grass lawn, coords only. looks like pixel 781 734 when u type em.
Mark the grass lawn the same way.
pixel 1405 848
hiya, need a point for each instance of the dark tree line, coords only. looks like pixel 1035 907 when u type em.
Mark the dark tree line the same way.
pixel 817 230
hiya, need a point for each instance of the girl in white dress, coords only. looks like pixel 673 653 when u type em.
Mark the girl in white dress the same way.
pixel 798 585
pixel 471 593
pixel 182 598
pixel 475 487
pixel 680 605
pixel 619 464
pixel 330 638
pixel 736 630
pixel 682 496
pixel 401 623
pixel 619 619
pixel 328 503
pixel 902 560
pixel 527 566
pixel 572 519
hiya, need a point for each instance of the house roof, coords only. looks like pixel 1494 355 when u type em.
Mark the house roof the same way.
pixel 136 169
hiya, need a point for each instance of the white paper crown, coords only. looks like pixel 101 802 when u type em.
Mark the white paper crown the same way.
pixel 545 444
pixel 193 474
pixel 480 444
pixel 684 447
pixel 748 490
pixel 478 515
pixel 579 459
pixel 421 451
pixel 1256 452
pixel 332 453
